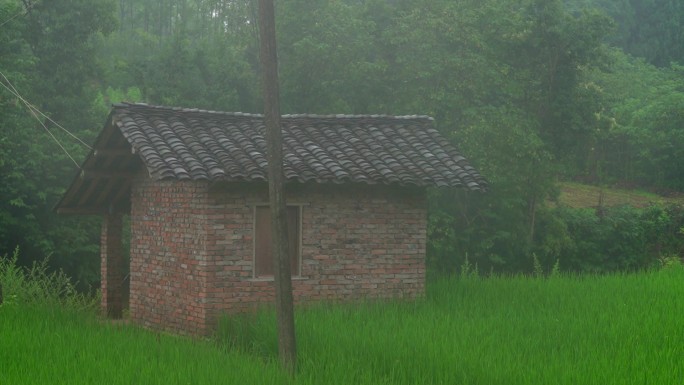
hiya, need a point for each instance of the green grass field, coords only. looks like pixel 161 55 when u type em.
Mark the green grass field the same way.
pixel 617 329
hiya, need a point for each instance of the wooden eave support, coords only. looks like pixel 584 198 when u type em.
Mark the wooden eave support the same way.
pixel 88 193
pixel 104 152
pixel 82 210
pixel 93 174
pixel 106 193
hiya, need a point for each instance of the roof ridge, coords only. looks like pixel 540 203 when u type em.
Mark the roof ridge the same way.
pixel 360 116
pixel 182 109
pixel 255 115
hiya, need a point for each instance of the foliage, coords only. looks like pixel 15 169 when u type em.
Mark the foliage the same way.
pixel 641 138
pixel 49 56
pixel 180 56
pixel 529 89
pixel 608 239
pixel 332 57
pixel 651 29
pixel 612 239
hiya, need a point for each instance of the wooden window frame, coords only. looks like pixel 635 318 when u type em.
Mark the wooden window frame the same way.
pixel 298 264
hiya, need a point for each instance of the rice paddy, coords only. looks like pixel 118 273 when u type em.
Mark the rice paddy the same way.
pixel 615 329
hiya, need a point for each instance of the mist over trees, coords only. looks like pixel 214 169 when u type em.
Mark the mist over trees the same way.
pixel 532 91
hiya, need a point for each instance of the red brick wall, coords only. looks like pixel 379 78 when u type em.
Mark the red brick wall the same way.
pixel 168 255
pixel 192 248
pixel 356 243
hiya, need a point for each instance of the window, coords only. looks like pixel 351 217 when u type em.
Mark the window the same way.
pixel 263 258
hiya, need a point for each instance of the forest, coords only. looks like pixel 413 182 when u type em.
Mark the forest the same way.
pixel 533 92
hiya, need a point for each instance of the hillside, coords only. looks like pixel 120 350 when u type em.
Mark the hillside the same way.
pixel 581 195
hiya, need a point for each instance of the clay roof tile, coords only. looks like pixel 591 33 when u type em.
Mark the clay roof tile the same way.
pixel 196 144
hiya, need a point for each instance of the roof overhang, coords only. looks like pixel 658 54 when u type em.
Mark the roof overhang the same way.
pixel 171 143
pixel 103 182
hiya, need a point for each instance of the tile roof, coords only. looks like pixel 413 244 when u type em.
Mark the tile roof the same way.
pixel 191 144
pixel 179 143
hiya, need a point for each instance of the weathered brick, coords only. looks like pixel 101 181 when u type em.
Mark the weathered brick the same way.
pixel 192 249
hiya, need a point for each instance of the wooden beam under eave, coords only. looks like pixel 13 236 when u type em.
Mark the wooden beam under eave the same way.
pixel 122 208
pixel 124 189
pixel 81 211
pixel 71 193
pixel 106 152
pixel 107 161
pixel 106 135
pixel 92 174
pixel 88 193
pixel 106 191
pixel 106 157
pixel 114 196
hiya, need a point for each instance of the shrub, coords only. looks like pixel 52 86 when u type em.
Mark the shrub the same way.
pixel 34 285
pixel 620 238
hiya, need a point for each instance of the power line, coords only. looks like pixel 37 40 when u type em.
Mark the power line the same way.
pixel 53 137
pixel 31 108
pixel 41 123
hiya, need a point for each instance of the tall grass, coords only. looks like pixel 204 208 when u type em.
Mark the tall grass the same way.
pixel 51 334
pixel 35 285
pixel 54 345
pixel 617 329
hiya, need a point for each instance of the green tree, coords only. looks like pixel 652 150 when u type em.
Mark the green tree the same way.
pixel 202 54
pixel 526 88
pixel 556 50
pixel 51 62
pixel 650 29
pixel 516 72
pixel 332 56
pixel 641 135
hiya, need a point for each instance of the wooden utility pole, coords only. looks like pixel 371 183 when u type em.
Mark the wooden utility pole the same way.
pixel 281 260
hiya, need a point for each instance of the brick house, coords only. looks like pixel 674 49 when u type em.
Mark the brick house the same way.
pixel 194 185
